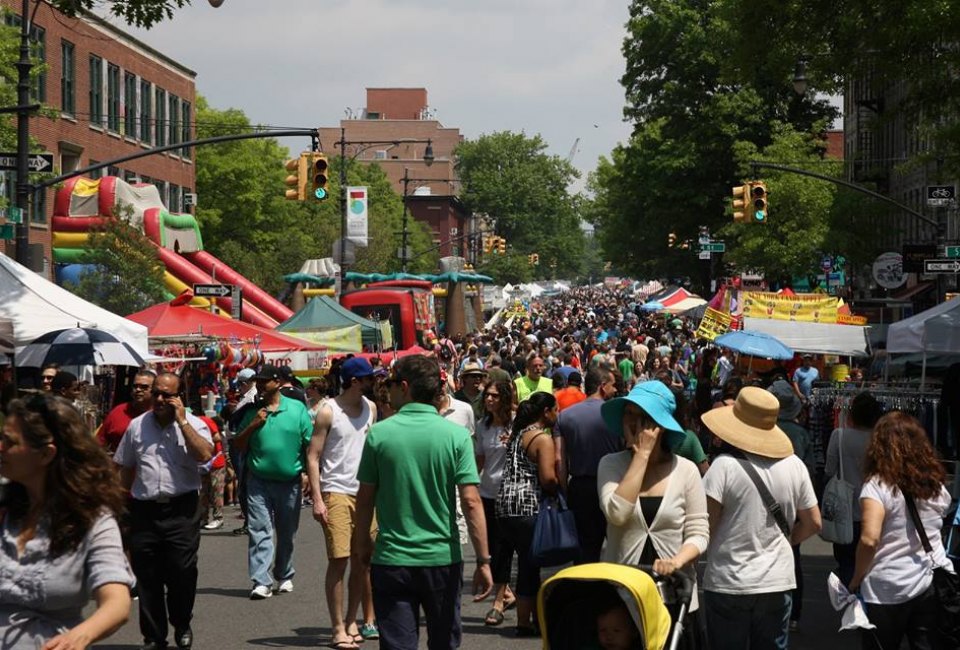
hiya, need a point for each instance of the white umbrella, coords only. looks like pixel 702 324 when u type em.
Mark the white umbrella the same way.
pixel 78 346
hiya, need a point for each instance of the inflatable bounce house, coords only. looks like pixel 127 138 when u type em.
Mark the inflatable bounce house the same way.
pixel 82 205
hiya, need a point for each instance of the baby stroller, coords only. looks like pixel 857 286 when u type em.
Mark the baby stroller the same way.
pixel 569 602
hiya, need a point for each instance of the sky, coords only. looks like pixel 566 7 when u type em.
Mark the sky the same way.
pixel 547 67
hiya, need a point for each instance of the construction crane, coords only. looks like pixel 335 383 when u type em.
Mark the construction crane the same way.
pixel 573 150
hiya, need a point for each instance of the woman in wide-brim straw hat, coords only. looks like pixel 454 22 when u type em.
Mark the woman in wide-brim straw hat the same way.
pixel 653 499
pixel 750 571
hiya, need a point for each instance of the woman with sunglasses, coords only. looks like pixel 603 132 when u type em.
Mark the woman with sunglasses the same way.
pixel 59 538
pixel 493 434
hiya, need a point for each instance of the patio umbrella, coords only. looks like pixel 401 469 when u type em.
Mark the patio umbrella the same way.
pixel 78 346
pixel 755 344
pixel 651 306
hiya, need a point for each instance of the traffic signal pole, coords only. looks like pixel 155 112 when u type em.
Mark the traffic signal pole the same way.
pixel 24 65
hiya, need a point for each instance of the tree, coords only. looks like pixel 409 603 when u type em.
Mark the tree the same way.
pixel 510 177
pixel 142 13
pixel 125 274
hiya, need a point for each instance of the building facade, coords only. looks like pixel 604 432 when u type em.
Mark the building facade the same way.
pixel 384 132
pixel 113 96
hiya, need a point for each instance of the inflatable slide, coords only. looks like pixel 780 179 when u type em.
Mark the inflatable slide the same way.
pixel 82 204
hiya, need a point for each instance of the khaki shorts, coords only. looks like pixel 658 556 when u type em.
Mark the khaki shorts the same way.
pixel 341 520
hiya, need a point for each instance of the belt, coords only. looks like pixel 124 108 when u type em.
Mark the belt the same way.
pixel 580 477
pixel 167 498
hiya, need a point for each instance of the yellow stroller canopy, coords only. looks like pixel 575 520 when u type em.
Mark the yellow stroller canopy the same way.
pixel 568 605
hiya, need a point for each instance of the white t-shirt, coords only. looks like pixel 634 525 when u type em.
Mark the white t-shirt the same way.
pixel 748 554
pixel 343 448
pixel 491 444
pixel 901 569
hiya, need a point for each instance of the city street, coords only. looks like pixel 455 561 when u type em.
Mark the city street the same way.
pixel 225 618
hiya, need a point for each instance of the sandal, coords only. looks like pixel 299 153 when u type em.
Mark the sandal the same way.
pixel 493 618
pixel 509 604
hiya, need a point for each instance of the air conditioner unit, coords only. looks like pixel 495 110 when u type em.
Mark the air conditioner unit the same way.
pixel 189 198
pixel 380 154
pixel 454 230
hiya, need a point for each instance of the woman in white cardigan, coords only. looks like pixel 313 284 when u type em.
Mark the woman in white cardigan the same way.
pixel 653 500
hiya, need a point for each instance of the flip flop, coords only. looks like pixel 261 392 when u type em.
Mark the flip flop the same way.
pixel 493 618
pixel 343 645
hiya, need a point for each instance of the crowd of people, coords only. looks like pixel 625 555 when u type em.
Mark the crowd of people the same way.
pixel 667 454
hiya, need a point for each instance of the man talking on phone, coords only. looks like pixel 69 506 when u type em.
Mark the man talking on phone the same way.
pixel 160 456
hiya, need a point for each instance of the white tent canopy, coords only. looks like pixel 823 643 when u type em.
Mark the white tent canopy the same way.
pixel 36 306
pixel 934 330
pixel 815 338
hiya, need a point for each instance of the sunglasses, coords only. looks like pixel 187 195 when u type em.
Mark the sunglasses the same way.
pixel 164 394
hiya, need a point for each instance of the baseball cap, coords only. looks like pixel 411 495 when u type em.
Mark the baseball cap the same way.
pixel 246 374
pixel 268 372
pixel 355 368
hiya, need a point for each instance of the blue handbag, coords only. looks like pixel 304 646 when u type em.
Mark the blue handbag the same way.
pixel 555 539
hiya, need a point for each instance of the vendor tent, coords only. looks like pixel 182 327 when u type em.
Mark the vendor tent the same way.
pixel 173 319
pixel 325 320
pixel 36 306
pixel 815 338
pixel 934 330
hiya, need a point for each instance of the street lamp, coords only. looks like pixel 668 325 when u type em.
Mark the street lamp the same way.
pixel 363 145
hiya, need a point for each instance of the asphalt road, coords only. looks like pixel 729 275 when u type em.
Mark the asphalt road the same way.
pixel 225 618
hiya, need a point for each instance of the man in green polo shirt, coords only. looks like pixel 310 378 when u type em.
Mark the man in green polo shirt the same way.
pixel 412 468
pixel 279 430
pixel 533 381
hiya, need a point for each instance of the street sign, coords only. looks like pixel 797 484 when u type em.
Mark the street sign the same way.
pixel 217 290
pixel 704 255
pixel 713 247
pixel 14 214
pixel 953 251
pixel 36 162
pixel 941 266
pixel 7 231
pixel 236 306
pixel 941 195
pixel 826 263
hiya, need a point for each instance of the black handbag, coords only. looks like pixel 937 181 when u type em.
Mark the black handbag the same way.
pixel 946 587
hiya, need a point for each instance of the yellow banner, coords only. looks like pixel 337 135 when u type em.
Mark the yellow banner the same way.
pixel 714 324
pixel 346 339
pixel 808 308
pixel 851 319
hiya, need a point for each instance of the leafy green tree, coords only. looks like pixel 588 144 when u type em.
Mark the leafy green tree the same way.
pixel 142 13
pixel 125 275
pixel 510 177
pixel 512 267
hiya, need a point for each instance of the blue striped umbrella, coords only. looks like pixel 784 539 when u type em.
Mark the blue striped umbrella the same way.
pixel 78 346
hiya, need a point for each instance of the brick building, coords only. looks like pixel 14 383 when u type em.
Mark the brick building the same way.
pixel 115 96
pixel 391 118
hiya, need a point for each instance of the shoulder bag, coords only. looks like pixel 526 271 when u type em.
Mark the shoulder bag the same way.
pixel 555 539
pixel 769 503
pixel 946 586
pixel 837 509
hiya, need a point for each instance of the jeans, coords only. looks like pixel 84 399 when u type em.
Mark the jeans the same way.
pixel 754 622
pixel 916 619
pixel 400 592
pixel 271 504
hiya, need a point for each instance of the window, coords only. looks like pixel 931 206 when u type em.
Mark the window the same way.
pixel 160 134
pixel 185 126
pixel 130 177
pixel 162 190
pixel 113 171
pixel 68 79
pixel 113 97
pixel 38 208
pixel 175 204
pixel 38 52
pixel 130 104
pixel 96 173
pixel 146 97
pixel 96 91
pixel 174 120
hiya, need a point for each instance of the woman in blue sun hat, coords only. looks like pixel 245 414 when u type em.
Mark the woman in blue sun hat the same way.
pixel 653 499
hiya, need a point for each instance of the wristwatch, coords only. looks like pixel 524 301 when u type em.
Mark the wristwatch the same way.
pixel 484 560
pixel 183 423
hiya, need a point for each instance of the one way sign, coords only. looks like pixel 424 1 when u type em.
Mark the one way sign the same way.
pixel 37 162
pixel 941 266
pixel 218 290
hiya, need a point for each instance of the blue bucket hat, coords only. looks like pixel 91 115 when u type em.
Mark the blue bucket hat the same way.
pixel 656 400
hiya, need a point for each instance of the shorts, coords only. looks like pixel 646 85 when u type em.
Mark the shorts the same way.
pixel 341 520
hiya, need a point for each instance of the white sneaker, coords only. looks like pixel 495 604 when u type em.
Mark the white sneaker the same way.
pixel 285 587
pixel 260 592
pixel 213 525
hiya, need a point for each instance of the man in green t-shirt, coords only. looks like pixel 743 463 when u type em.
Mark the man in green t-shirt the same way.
pixel 412 468
pixel 533 381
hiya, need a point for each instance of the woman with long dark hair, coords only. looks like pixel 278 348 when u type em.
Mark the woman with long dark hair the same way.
pixel 492 438
pixel 893 572
pixel 528 473
pixel 59 538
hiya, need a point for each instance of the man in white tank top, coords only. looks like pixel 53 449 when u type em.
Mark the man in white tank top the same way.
pixel 332 460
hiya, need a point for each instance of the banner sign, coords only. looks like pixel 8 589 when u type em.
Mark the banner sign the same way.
pixel 850 319
pixel 805 308
pixel 357 215
pixel 714 324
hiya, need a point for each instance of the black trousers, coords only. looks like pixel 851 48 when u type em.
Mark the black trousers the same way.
pixel 500 548
pixel 915 619
pixel 164 539
pixel 584 500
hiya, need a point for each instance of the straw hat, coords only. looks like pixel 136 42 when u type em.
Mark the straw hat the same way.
pixel 751 424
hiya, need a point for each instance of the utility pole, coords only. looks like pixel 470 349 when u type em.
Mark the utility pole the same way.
pixel 24 66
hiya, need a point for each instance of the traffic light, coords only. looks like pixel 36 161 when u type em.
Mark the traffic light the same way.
pixel 501 245
pixel 739 204
pixel 488 244
pixel 319 182
pixel 672 240
pixel 758 201
pixel 535 259
pixel 297 179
